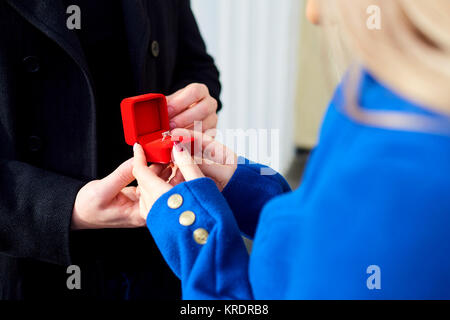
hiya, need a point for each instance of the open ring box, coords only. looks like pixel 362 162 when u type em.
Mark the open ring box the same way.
pixel 146 121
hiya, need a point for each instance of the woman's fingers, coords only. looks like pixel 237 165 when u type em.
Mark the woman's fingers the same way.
pixel 212 169
pixel 147 177
pixel 151 186
pixel 140 161
pixel 185 163
pixel 198 136
pixel 215 159
pixel 144 206
pixel 207 147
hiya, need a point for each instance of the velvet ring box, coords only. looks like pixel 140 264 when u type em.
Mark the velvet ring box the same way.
pixel 146 121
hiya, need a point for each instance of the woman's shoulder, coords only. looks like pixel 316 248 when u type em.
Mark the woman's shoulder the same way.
pixel 387 170
pixel 376 198
pixel 369 195
pixel 357 166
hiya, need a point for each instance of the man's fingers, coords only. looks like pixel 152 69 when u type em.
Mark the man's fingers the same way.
pixel 198 112
pixel 186 164
pixel 184 98
pixel 116 181
pixel 131 193
pixel 210 122
pixel 173 110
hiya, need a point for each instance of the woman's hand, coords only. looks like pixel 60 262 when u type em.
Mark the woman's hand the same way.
pixel 217 162
pixel 152 184
pixel 214 160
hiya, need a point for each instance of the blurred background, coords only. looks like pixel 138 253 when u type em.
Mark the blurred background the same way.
pixel 273 71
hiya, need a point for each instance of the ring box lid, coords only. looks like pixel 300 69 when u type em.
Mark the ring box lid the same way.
pixel 145 118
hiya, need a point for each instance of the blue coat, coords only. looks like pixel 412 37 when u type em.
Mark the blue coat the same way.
pixel 371 219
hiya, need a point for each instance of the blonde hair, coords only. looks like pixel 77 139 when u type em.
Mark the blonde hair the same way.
pixel 410 52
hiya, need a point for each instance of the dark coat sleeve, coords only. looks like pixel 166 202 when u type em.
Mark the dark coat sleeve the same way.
pixel 35 212
pixel 194 65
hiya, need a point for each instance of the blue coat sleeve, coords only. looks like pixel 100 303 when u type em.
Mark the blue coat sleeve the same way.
pixel 249 190
pixel 217 269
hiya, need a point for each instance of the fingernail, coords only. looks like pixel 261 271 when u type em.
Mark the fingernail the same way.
pixel 172 125
pixel 135 146
pixel 170 110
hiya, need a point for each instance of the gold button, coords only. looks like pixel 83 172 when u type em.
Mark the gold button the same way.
pixel 187 218
pixel 201 236
pixel 175 201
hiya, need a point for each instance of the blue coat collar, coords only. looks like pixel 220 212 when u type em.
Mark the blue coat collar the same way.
pixel 379 106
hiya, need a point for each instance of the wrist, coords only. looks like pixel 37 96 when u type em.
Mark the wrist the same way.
pixel 231 170
pixel 76 223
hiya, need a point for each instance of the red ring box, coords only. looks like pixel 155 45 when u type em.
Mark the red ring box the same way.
pixel 145 120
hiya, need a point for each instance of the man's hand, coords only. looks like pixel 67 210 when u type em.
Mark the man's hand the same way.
pixel 108 203
pixel 190 104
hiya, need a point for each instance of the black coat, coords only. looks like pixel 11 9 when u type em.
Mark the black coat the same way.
pixel 48 146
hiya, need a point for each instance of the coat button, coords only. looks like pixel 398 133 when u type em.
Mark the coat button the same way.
pixel 31 64
pixel 155 49
pixel 201 236
pixel 34 143
pixel 187 218
pixel 175 201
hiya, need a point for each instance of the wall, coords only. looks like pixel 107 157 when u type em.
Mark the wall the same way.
pixel 316 83
pixel 256 44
